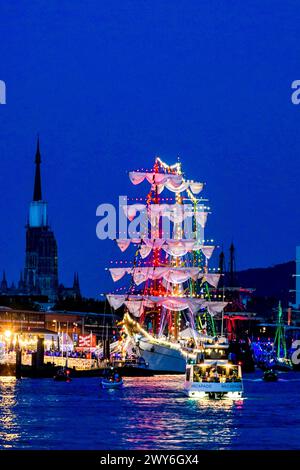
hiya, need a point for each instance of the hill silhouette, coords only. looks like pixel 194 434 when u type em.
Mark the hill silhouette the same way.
pixel 275 281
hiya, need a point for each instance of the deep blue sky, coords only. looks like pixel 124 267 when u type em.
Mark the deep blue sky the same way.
pixel 110 84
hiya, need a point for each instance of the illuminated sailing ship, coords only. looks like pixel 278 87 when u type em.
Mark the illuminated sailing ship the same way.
pixel 170 305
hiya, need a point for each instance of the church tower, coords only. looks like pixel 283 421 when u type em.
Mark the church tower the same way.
pixel 41 263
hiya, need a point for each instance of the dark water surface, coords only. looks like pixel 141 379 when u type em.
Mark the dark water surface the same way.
pixel 148 413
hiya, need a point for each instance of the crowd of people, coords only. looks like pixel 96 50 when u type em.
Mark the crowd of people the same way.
pixel 215 374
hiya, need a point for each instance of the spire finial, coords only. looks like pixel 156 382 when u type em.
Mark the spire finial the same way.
pixel 38 154
pixel 37 193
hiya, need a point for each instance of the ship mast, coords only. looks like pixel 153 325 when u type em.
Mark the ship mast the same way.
pixel 172 267
pixel 279 340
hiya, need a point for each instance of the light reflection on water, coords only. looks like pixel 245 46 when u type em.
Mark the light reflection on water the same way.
pixel 8 420
pixel 171 420
pixel 148 413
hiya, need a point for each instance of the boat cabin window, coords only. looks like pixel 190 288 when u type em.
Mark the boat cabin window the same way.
pixel 212 373
pixel 188 374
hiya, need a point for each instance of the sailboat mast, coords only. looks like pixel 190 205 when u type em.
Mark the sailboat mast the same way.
pixel 156 254
pixel 232 266
pixel 279 340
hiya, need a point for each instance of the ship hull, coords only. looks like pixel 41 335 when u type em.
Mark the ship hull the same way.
pixel 162 359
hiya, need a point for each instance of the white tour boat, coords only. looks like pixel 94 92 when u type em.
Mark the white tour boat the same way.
pixel 213 378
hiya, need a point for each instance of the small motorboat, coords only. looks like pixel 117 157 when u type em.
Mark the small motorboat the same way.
pixel 111 378
pixel 62 375
pixel 270 376
pixel 111 383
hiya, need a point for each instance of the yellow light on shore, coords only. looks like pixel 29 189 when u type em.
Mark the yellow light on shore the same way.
pixel 7 334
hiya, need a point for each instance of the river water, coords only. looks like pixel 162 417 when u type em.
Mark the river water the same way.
pixel 148 413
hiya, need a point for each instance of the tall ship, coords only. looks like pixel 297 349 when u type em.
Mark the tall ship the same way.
pixel 172 299
pixel 274 355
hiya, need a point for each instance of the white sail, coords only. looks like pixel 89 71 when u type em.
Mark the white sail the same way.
pixel 172 247
pixel 172 182
pixel 176 275
pixel 215 307
pixel 136 303
pixel 212 279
